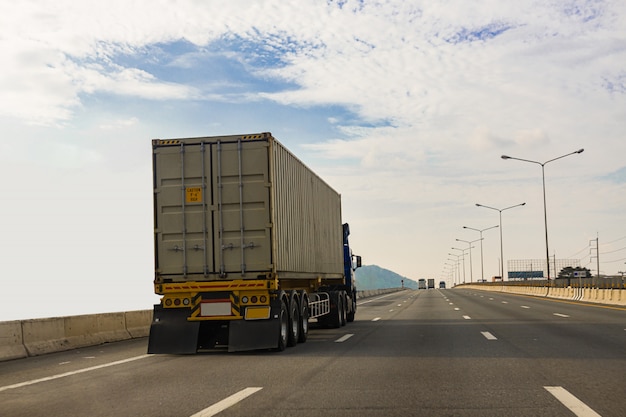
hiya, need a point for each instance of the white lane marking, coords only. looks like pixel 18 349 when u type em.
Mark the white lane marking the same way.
pixel 490 299
pixel 344 338
pixel 525 307
pixel 227 402
pixel 467 317
pixel 374 299
pixel 451 304
pixel 79 371
pixel 572 403
pixel 399 305
pixel 489 336
pixel 505 302
pixel 391 311
pixel 561 315
pixel 376 319
pixel 456 309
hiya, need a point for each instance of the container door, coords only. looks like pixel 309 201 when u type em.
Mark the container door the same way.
pixel 183 230
pixel 242 217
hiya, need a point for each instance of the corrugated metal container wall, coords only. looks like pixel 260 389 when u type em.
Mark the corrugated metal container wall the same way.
pixel 240 206
pixel 307 217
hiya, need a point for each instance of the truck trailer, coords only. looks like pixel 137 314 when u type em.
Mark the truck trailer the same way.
pixel 249 246
pixel 431 283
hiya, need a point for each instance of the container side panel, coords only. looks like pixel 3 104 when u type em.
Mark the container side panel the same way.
pixel 307 217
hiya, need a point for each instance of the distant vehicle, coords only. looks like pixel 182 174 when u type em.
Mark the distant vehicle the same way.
pixel 431 283
pixel 421 284
pixel 442 284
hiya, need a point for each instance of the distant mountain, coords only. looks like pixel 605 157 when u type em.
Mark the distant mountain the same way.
pixel 373 277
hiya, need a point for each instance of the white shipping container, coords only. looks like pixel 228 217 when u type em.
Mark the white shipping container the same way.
pixel 231 207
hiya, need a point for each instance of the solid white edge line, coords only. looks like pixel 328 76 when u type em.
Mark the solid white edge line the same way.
pixel 344 337
pixel 489 336
pixel 571 402
pixel 63 375
pixel 227 402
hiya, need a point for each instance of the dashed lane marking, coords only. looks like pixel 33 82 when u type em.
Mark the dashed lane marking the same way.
pixel 376 319
pixel 571 402
pixel 344 338
pixel 561 315
pixel 467 317
pixel 227 402
pixel 489 336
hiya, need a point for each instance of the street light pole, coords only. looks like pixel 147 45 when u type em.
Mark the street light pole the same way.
pixel 543 179
pixel 469 246
pixel 457 268
pixel 463 254
pixel 482 269
pixel 501 246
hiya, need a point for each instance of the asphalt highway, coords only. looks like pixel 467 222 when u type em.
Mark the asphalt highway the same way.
pixel 412 353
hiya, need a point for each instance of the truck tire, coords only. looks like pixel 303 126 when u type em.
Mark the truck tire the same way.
pixel 294 320
pixel 344 307
pixel 350 315
pixel 284 327
pixel 336 312
pixel 304 317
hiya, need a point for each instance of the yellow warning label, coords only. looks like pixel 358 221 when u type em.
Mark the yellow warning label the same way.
pixel 193 195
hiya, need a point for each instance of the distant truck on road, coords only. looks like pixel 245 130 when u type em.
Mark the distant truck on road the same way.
pixel 431 283
pixel 249 245
pixel 421 284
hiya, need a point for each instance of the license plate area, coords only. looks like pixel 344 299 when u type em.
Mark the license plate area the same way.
pixel 215 308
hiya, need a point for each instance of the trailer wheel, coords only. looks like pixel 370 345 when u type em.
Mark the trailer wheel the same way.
pixel 294 320
pixel 284 326
pixel 304 317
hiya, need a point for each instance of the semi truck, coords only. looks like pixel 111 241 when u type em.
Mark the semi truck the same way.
pixel 431 283
pixel 249 247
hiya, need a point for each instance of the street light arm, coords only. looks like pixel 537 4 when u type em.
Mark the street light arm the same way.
pixel 520 159
pixel 520 204
pixel 480 230
pixel 539 163
pixel 563 156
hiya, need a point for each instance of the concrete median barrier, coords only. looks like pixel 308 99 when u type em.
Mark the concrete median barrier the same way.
pixel 41 336
pixel 138 323
pixel 615 296
pixel 11 345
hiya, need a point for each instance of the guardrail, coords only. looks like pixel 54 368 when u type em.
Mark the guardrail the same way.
pixel 23 338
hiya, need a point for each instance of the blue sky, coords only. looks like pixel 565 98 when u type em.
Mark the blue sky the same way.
pixel 404 107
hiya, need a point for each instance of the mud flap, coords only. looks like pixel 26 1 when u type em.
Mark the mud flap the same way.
pixel 170 332
pixel 255 334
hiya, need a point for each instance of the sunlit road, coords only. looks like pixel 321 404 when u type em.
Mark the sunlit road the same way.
pixel 412 353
